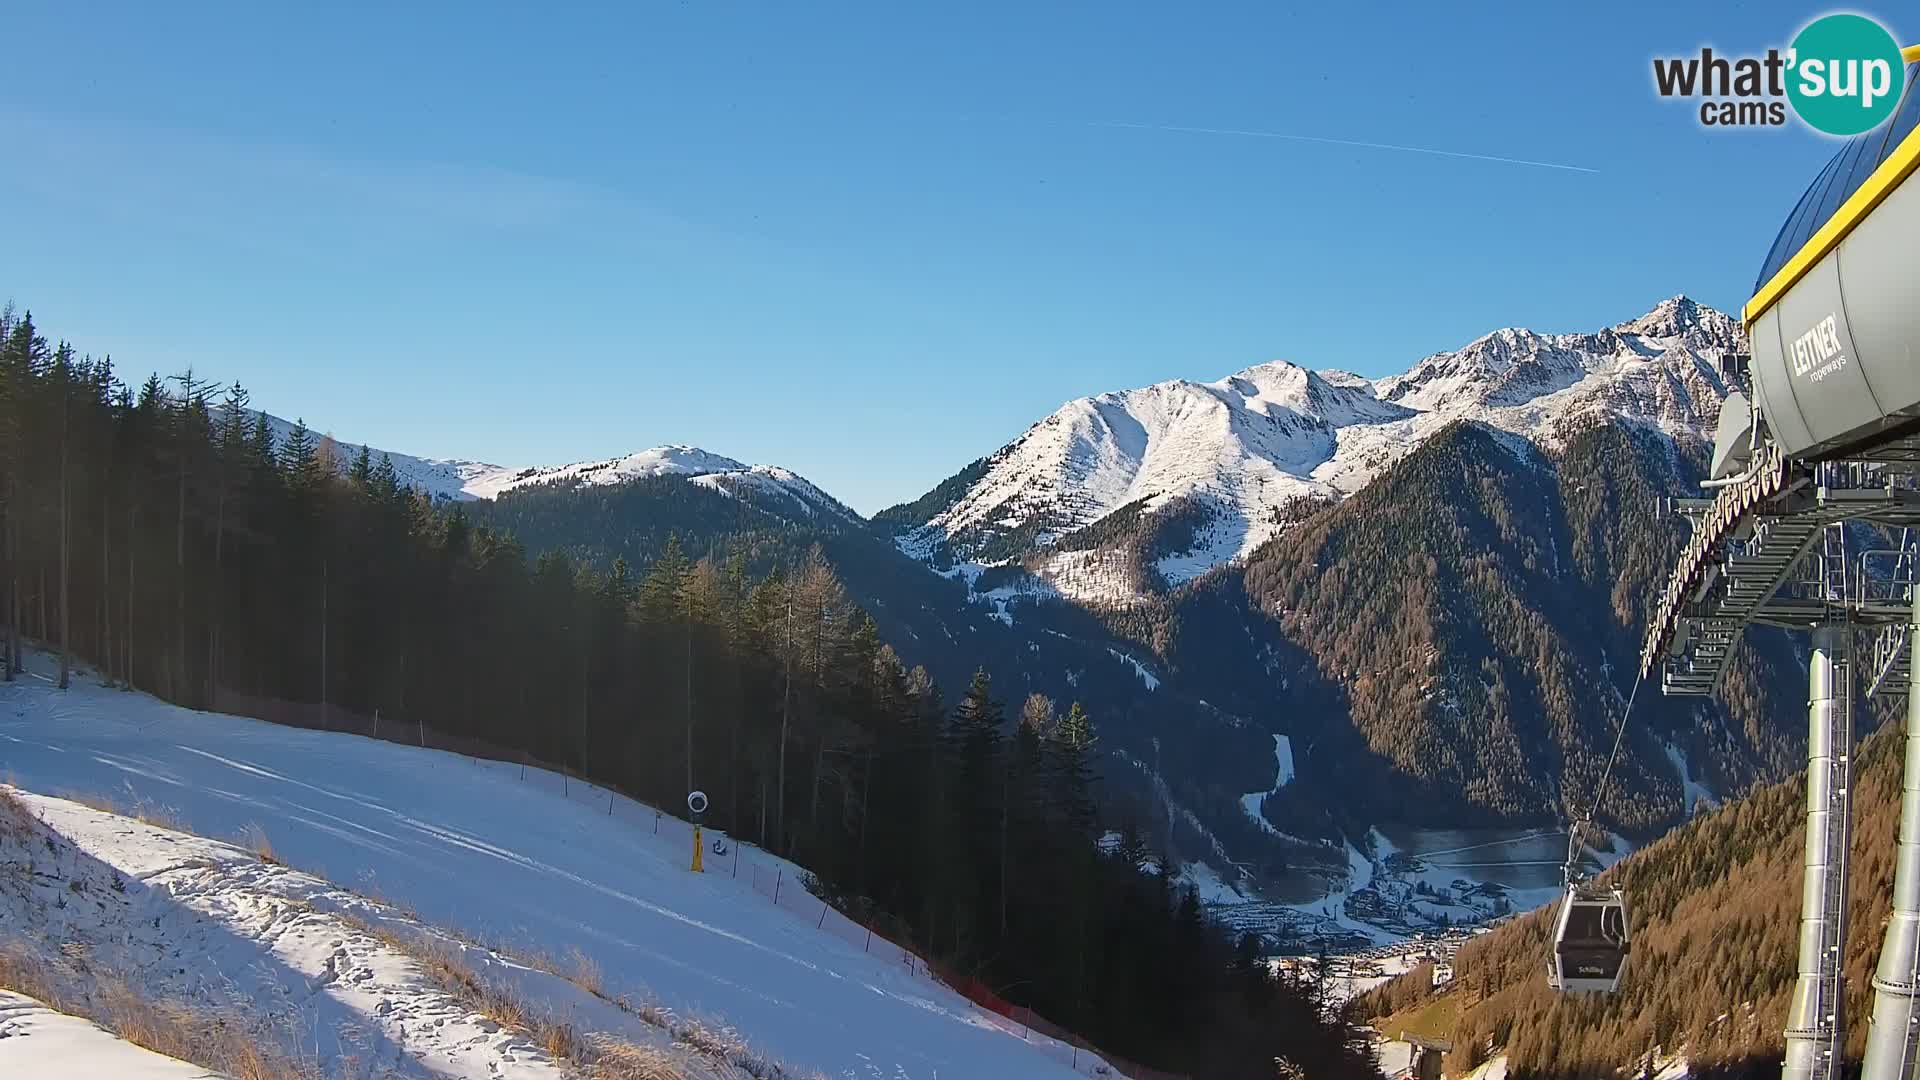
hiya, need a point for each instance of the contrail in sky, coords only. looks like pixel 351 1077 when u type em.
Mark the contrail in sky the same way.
pixel 1347 142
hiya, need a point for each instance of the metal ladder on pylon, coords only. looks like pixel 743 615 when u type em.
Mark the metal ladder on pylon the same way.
pixel 1891 665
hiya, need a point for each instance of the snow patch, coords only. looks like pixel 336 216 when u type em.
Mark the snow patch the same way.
pixel 1283 759
pixel 1283 775
pixel 1208 884
pixel 36 1039
pixel 1694 796
pixel 1139 669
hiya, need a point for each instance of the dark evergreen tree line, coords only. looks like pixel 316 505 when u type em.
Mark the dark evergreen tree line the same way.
pixel 165 535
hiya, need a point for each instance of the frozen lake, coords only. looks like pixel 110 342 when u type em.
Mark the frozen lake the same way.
pixel 1520 859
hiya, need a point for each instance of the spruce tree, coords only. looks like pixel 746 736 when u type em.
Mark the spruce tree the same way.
pixel 660 593
pixel 361 474
pixel 299 461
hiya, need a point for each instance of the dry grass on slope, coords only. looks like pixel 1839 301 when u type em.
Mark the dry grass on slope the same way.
pixel 142 810
pixel 697 1051
pixel 178 1029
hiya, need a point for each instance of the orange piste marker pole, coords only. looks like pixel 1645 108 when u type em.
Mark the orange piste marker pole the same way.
pixel 696 851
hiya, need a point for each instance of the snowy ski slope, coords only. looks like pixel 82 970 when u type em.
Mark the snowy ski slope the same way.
pixel 474 847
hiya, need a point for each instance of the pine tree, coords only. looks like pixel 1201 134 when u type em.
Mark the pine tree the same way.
pixel 976 751
pixel 262 449
pixel 299 461
pixel 1037 716
pixel 190 422
pixel 660 593
pixel 63 376
pixel 1073 744
pixel 361 474
pixel 230 465
pixel 386 481
pixel 21 365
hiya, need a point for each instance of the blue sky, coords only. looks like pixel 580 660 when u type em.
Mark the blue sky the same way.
pixel 867 242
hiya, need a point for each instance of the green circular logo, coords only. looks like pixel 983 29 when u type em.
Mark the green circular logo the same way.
pixel 1845 74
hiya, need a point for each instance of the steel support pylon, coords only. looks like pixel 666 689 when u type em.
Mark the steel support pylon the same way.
pixel 1893 1037
pixel 1816 1023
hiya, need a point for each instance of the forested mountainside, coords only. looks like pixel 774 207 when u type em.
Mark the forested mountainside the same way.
pixel 1716 908
pixel 1452 638
pixel 1459 635
pixel 1441 575
pixel 1057 649
pixel 1464 632
pixel 164 534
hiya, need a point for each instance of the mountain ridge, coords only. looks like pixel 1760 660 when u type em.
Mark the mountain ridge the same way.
pixel 1245 446
pixel 460 480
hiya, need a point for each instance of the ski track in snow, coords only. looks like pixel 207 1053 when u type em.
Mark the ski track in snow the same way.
pixel 1694 795
pixel 1283 775
pixel 472 847
pixel 1140 669
pixel 207 921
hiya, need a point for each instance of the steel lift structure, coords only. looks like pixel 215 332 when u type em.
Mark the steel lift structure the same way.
pixel 1813 525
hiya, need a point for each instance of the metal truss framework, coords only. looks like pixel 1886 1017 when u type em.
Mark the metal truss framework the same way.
pixel 1830 547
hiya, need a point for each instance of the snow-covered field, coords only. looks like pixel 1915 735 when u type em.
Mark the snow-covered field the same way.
pixel 182 918
pixel 535 862
pixel 37 1040
pixel 1355 974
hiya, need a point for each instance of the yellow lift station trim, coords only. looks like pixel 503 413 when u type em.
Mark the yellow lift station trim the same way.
pixel 1891 173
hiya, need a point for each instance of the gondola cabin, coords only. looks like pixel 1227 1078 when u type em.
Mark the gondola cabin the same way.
pixel 1590 941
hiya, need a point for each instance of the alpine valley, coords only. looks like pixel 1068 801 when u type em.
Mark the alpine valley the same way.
pixel 1337 634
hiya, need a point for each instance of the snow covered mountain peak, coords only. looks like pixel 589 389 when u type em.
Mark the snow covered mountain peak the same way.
pixel 782 488
pixel 1348 379
pixel 1675 317
pixel 1513 366
pixel 459 480
pixel 1339 400
pixel 1237 451
pixel 674 460
pixel 1250 439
